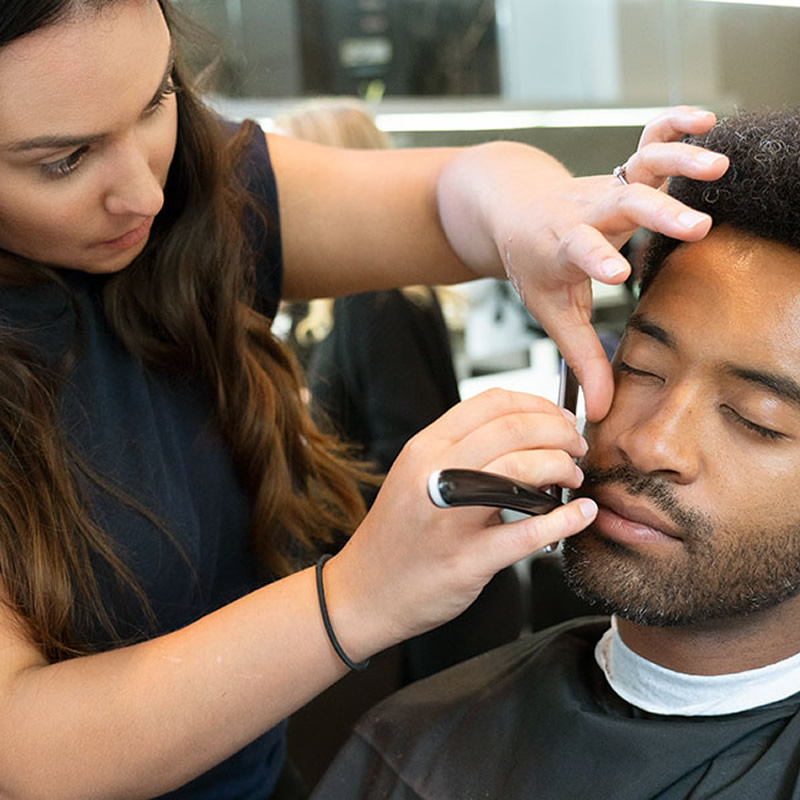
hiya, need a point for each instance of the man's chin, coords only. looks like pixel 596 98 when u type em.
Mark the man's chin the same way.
pixel 674 592
pixel 580 556
pixel 615 579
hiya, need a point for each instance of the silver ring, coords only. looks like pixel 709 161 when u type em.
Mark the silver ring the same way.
pixel 620 173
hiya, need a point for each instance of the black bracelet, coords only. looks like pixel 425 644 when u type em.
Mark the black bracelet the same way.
pixel 361 665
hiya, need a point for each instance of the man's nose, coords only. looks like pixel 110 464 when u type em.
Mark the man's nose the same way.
pixel 134 188
pixel 665 438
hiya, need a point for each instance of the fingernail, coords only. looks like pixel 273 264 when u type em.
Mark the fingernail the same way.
pixel 612 267
pixel 578 474
pixel 585 444
pixel 569 415
pixel 707 157
pixel 691 219
pixel 588 507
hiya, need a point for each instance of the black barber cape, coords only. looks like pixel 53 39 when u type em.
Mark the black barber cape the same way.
pixel 537 720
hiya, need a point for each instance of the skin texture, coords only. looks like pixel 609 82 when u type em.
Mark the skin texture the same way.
pixel 62 204
pixel 702 444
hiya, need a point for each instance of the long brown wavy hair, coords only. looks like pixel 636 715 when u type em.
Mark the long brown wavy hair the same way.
pixel 185 305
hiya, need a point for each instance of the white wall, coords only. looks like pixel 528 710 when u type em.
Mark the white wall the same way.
pixel 609 52
pixel 564 52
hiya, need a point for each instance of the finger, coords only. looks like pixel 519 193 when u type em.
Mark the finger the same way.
pixel 539 468
pixel 590 251
pixel 517 432
pixel 597 381
pixel 576 339
pixel 594 251
pixel 471 414
pixel 584 353
pixel 657 211
pixel 654 163
pixel 675 122
pixel 514 541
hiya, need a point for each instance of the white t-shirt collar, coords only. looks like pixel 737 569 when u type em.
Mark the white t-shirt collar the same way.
pixel 662 691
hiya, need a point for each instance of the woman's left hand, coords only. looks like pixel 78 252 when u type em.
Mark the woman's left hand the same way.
pixel 553 232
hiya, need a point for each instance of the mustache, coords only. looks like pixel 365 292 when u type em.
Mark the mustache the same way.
pixel 639 484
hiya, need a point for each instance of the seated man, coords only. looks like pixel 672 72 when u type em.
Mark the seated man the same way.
pixel 693 690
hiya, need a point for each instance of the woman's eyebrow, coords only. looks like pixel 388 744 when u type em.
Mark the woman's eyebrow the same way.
pixel 59 142
pixel 52 142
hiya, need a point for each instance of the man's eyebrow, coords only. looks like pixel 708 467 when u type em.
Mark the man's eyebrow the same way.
pixel 55 142
pixel 638 322
pixel 782 386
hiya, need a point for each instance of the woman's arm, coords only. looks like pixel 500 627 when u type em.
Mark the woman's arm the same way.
pixel 141 720
pixel 360 220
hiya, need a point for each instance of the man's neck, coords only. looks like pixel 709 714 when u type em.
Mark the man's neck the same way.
pixel 720 647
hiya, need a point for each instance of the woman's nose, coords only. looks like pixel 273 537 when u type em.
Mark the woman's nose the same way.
pixel 135 189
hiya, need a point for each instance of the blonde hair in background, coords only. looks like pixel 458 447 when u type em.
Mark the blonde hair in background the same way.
pixel 335 121
pixel 317 323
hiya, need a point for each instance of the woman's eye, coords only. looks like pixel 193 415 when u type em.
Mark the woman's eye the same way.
pixel 65 166
pixel 169 89
pixel 749 425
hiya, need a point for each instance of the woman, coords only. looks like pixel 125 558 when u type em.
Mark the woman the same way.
pixel 162 487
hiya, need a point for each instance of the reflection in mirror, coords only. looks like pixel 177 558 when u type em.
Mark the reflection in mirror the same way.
pixel 542 54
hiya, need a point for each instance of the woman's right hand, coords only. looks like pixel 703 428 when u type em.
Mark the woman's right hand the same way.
pixel 411 566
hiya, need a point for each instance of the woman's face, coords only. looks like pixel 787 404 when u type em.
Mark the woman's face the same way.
pixel 88 123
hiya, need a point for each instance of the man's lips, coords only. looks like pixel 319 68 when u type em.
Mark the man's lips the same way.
pixel 622 517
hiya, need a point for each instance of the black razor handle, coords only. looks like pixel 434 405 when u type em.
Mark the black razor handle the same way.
pixel 449 488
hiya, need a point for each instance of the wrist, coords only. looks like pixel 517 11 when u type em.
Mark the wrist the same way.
pixel 327 623
pixel 352 617
pixel 479 187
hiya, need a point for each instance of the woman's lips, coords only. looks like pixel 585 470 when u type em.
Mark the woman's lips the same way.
pixel 632 524
pixel 131 238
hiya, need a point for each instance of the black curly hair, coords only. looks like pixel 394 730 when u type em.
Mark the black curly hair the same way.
pixel 759 195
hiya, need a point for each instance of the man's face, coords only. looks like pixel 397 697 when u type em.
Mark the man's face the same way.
pixel 695 469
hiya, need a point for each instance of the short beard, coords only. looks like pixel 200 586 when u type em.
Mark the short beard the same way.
pixel 721 573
